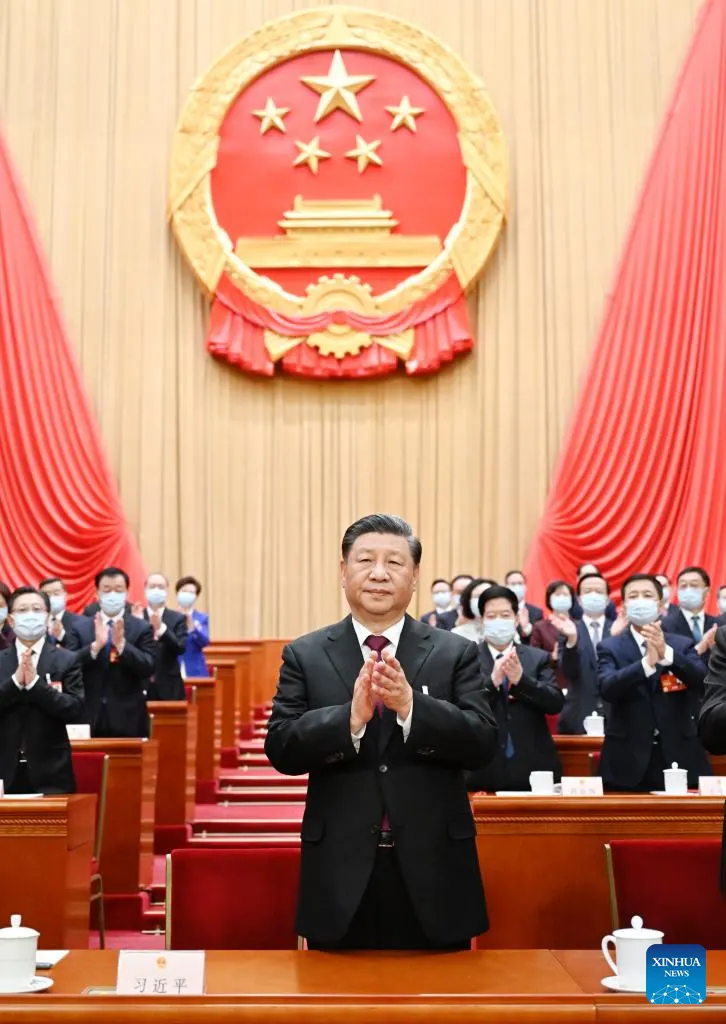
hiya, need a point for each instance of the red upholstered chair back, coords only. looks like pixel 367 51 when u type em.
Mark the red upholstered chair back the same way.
pixel 91 773
pixel 673 884
pixel 232 899
pixel 594 759
pixel 188 692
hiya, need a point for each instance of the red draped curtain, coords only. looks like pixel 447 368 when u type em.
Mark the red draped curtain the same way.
pixel 640 483
pixel 60 512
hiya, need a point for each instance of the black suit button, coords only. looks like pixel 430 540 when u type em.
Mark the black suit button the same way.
pixel 383 768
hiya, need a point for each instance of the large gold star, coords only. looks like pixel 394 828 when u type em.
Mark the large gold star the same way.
pixel 404 115
pixel 364 153
pixel 337 89
pixel 271 117
pixel 310 153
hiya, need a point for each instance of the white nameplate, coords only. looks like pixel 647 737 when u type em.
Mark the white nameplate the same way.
pixel 712 785
pixel 581 785
pixel 160 973
pixel 78 732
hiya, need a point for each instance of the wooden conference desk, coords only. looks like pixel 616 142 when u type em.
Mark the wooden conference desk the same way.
pixel 575 753
pixel 497 986
pixel 543 864
pixel 47 846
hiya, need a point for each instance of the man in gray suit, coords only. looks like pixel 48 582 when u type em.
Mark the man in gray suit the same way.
pixel 385 713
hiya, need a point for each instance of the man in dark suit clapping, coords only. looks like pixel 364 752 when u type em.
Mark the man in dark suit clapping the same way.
pixel 170 635
pixel 41 690
pixel 653 683
pixel 116 653
pixel 522 691
pixel 385 714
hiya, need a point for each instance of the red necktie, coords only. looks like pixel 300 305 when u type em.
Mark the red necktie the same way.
pixel 377 644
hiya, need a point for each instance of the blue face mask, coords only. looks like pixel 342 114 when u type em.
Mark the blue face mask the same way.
pixel 3 614
pixel 112 603
pixel 30 626
pixel 520 590
pixel 593 604
pixel 499 632
pixel 561 603
pixel 666 594
pixel 155 596
pixel 57 604
pixel 185 598
pixel 641 611
pixel 691 598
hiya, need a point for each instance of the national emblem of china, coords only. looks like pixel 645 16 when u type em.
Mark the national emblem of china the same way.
pixel 338 181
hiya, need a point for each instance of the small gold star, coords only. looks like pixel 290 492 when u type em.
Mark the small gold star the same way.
pixel 364 153
pixel 271 117
pixel 310 153
pixel 404 115
pixel 337 89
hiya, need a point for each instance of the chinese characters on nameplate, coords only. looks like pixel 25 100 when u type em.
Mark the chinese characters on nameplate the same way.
pixel 153 973
pixel 585 785
pixel 712 785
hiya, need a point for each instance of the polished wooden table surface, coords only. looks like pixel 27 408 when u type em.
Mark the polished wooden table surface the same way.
pixel 543 862
pixel 509 986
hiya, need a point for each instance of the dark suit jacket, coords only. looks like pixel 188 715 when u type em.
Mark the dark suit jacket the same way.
pixel 444 620
pixel 118 685
pixel 419 784
pixel 521 714
pixel 91 610
pixel 638 707
pixel 579 667
pixel 611 612
pixel 712 718
pixel 35 720
pixel 674 621
pixel 167 683
pixel 7 637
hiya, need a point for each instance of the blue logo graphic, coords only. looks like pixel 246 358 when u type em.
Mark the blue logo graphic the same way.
pixel 675 974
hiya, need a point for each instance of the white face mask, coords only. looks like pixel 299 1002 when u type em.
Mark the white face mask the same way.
pixel 499 632
pixel 593 604
pixel 722 604
pixel 441 599
pixel 520 590
pixel 561 603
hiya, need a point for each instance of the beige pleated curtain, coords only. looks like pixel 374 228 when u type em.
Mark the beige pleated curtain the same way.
pixel 248 483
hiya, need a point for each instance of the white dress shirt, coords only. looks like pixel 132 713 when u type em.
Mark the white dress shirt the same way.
pixel 696 617
pixel 157 611
pixel 393 635
pixel 599 621
pixel 649 669
pixel 34 656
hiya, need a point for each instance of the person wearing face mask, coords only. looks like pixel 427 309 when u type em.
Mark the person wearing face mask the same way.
pixel 590 569
pixel 117 654
pixel 521 689
pixel 529 614
pixel 60 620
pixel 41 691
pixel 193 663
pixel 442 616
pixel 170 635
pixel 578 654
pixel 470 624
pixel 547 634
pixel 689 617
pixel 653 683
pixel 7 637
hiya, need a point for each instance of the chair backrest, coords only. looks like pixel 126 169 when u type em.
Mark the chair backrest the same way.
pixel 673 884
pixel 91 771
pixel 188 692
pixel 594 759
pixel 232 899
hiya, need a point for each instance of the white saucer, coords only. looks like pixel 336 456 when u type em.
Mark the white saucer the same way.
pixel 616 984
pixel 665 792
pixel 38 984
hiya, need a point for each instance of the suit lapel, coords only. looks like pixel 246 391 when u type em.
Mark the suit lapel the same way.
pixel 343 650
pixel 8 661
pixel 414 647
pixel 45 661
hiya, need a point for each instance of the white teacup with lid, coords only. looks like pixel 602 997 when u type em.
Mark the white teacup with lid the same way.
pixel 594 724
pixel 675 779
pixel 631 945
pixel 18 950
